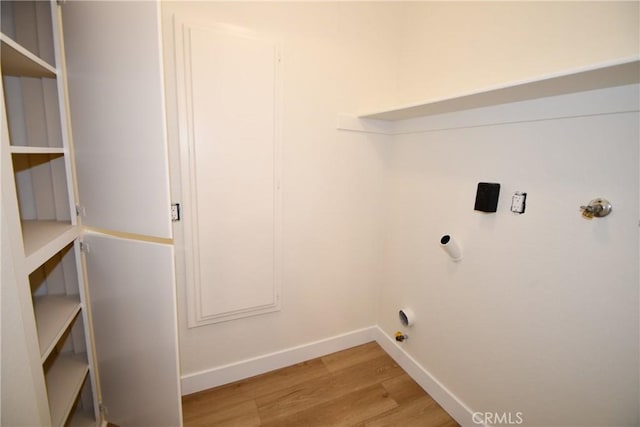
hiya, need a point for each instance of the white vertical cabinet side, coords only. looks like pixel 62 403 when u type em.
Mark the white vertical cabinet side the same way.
pixel 23 397
pixel 133 306
pixel 116 99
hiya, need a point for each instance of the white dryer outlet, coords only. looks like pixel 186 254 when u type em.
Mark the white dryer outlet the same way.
pixel 518 202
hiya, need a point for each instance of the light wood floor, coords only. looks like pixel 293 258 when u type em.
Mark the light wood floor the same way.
pixel 361 386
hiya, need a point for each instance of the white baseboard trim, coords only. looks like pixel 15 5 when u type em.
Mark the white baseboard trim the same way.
pixel 198 381
pixel 237 371
pixel 445 398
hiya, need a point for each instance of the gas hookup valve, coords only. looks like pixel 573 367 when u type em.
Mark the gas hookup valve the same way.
pixel 400 337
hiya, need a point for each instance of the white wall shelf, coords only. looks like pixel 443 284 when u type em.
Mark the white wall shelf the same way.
pixel 43 239
pixel 616 73
pixel 64 381
pixel 18 61
pixel 54 314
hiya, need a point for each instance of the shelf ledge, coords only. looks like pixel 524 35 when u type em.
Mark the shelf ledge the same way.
pixel 18 61
pixel 54 314
pixel 64 382
pixel 81 419
pixel 611 74
pixel 43 239
pixel 19 149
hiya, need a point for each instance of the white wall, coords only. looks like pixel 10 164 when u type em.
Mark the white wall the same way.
pixel 449 48
pixel 541 315
pixel 334 57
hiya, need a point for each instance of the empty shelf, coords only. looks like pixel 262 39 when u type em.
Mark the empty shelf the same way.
pixel 43 239
pixel 598 76
pixel 64 381
pixel 81 419
pixel 20 149
pixel 18 61
pixel 54 314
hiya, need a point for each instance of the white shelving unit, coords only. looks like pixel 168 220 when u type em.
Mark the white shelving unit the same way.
pixel 38 202
pixel 57 329
pixel 598 76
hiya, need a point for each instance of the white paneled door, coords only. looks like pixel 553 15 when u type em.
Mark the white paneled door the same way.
pixel 116 100
pixel 115 81
pixel 133 305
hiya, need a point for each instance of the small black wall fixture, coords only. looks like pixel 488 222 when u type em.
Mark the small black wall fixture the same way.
pixel 487 197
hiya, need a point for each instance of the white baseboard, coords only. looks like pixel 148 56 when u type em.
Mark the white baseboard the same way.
pixel 203 380
pixel 237 371
pixel 445 398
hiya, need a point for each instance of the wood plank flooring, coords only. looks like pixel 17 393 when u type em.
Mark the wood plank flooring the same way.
pixel 361 386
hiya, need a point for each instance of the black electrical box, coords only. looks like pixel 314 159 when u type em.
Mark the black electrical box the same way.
pixel 487 197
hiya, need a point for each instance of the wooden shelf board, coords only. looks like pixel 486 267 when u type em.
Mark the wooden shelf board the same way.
pixel 82 419
pixel 64 382
pixel 618 73
pixel 54 314
pixel 17 149
pixel 18 61
pixel 43 239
